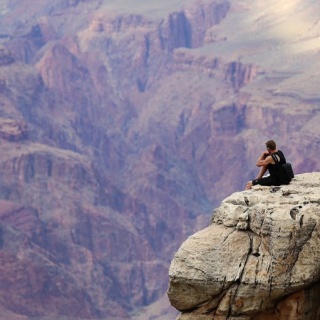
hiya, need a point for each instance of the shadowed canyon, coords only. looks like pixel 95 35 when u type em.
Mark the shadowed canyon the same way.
pixel 122 127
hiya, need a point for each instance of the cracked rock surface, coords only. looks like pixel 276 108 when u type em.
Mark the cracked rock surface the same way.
pixel 258 259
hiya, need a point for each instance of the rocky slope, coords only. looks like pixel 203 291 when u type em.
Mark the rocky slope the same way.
pixel 118 121
pixel 257 260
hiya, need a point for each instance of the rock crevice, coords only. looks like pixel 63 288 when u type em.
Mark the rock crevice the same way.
pixel 258 258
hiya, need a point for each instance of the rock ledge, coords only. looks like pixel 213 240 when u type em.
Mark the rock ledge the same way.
pixel 258 260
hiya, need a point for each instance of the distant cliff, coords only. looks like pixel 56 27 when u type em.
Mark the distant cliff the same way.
pixel 258 260
pixel 122 127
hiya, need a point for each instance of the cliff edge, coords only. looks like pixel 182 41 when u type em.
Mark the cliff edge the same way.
pixel 258 259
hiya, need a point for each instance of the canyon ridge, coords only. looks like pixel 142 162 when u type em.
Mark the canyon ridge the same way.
pixel 123 127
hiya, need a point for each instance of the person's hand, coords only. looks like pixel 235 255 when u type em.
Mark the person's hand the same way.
pixel 264 155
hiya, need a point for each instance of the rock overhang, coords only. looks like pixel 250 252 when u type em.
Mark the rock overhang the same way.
pixel 261 248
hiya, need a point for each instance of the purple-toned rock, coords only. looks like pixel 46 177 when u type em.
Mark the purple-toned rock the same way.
pixel 122 127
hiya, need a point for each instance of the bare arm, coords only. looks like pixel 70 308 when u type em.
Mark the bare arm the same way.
pixel 264 160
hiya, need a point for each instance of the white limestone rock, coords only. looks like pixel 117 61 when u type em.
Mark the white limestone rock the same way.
pixel 258 260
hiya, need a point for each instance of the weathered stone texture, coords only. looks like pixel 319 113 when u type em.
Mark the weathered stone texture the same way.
pixel 117 121
pixel 258 259
pixel 12 130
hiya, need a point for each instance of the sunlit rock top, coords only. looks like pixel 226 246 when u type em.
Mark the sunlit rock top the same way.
pixel 257 260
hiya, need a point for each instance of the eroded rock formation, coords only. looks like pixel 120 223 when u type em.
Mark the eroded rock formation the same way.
pixel 12 129
pixel 116 121
pixel 258 259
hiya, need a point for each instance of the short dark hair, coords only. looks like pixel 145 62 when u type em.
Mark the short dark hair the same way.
pixel 271 145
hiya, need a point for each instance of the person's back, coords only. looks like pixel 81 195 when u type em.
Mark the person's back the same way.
pixel 277 173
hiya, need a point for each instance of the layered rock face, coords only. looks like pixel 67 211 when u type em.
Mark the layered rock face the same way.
pixel 258 259
pixel 84 186
pixel 117 121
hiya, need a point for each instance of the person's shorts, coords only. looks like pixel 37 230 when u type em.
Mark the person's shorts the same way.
pixel 265 181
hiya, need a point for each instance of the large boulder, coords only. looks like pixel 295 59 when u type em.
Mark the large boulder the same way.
pixel 258 260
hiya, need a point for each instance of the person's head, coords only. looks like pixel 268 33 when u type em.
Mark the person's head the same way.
pixel 271 145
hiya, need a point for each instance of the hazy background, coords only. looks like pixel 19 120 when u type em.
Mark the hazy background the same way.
pixel 122 127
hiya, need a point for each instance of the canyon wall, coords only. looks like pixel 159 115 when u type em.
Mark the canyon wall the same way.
pixel 121 129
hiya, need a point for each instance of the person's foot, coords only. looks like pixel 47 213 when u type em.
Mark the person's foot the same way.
pixel 248 185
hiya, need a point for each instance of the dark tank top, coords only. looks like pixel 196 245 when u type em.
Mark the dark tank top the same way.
pixel 274 168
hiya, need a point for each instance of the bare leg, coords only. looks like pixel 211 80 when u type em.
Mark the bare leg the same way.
pixel 263 170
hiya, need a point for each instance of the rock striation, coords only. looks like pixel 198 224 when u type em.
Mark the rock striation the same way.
pixel 116 121
pixel 5 57
pixel 258 259
pixel 12 129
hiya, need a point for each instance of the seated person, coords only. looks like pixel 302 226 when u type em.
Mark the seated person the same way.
pixel 266 162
